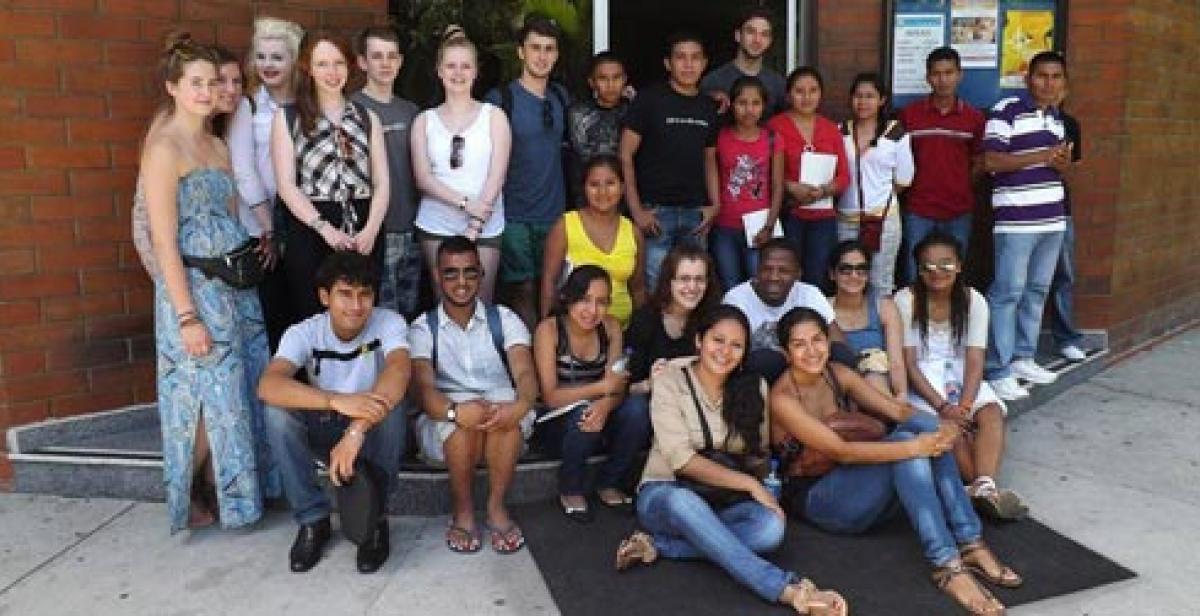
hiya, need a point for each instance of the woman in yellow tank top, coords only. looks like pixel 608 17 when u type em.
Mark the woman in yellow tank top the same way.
pixel 598 234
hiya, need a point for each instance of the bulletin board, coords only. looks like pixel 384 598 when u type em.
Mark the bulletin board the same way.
pixel 995 38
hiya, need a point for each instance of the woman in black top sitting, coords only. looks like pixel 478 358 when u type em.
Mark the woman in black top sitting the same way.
pixel 574 350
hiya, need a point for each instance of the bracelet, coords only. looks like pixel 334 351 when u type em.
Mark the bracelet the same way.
pixel 356 433
pixel 185 314
pixel 320 225
pixel 189 320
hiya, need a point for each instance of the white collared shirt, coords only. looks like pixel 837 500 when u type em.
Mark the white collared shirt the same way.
pixel 250 151
pixel 468 365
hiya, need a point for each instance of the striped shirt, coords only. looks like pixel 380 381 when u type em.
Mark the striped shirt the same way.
pixel 334 163
pixel 943 145
pixel 1028 200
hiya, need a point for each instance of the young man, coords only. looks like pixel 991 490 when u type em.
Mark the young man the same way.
pixel 356 360
pixel 534 189
pixel 594 126
pixel 753 37
pixel 1026 151
pixel 946 134
pixel 473 371
pixel 668 129
pixel 379 56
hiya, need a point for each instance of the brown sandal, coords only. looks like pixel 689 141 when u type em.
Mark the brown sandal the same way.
pixel 811 601
pixel 638 548
pixel 941 578
pixel 973 555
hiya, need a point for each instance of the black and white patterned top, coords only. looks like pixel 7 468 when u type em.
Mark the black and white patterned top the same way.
pixel 334 163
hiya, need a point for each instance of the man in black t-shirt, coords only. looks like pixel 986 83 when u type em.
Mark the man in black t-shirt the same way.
pixel 667 131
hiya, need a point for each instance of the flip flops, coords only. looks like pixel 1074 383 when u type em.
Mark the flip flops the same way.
pixel 461 540
pixel 506 541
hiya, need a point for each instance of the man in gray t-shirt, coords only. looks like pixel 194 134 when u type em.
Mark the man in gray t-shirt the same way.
pixel 379 56
pixel 753 36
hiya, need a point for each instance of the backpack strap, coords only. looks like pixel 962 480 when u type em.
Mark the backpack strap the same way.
pixel 495 328
pixel 363 349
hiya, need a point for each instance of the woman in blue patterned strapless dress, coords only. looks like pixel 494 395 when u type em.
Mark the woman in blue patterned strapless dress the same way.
pixel 209 336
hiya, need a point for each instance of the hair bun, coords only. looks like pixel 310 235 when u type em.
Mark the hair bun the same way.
pixel 177 39
pixel 454 32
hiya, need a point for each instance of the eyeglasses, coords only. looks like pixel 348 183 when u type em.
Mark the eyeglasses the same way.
pixel 466 273
pixel 685 280
pixel 946 267
pixel 846 269
pixel 457 144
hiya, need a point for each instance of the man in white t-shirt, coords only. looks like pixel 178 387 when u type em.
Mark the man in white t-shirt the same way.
pixel 764 299
pixel 356 359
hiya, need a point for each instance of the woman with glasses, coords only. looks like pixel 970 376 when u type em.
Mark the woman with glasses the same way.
pixel 331 169
pixel 945 337
pixel 869 320
pixel 460 156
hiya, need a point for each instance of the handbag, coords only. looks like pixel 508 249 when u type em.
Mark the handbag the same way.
pixel 240 268
pixel 851 426
pixel 870 228
pixel 717 497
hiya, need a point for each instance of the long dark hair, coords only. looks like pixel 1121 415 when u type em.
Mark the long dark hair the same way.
pixel 794 317
pixel 576 286
pixel 960 299
pixel 220 121
pixel 881 122
pixel 742 405
pixel 842 249
pixel 308 110
pixel 661 298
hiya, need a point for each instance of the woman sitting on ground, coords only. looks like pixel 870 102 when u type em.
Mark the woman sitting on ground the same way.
pixel 712 395
pixel 847 487
pixel 946 329
pixel 869 320
pixel 574 352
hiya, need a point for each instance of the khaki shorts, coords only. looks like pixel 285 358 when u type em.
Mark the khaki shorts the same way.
pixel 432 435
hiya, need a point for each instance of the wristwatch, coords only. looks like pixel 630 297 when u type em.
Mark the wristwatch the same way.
pixel 452 413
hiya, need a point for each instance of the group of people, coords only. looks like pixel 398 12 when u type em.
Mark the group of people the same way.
pixel 651 270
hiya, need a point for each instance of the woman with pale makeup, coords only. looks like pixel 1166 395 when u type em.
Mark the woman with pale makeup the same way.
pixel 331 168
pixel 460 157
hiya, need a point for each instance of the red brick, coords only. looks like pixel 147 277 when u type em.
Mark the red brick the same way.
pixel 8 51
pixel 39 52
pixel 122 377
pixel 140 300
pixel 26 312
pixel 24 24
pixel 24 131
pixel 71 258
pixel 12 158
pixel 94 305
pixel 127 106
pixel 58 5
pixel 18 261
pixel 14 209
pixel 88 355
pixel 221 12
pixel 40 336
pixel 24 413
pixel 125 155
pixel 78 404
pixel 133 54
pixel 121 326
pixel 65 106
pixel 71 208
pixel 72 157
pixel 108 79
pixel 104 231
pixel 156 31
pixel 107 131
pixel 104 27
pixel 39 285
pixel 10 104
pixel 140 8
pixel 29 182
pixel 43 386
pixel 89 182
pixel 99 281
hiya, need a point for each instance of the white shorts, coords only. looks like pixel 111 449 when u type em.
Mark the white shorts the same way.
pixel 432 435
pixel 933 372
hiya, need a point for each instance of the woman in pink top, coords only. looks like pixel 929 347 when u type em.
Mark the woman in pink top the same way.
pixel 812 223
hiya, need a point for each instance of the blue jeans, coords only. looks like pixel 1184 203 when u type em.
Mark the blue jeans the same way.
pixel 1062 318
pixel 916 227
pixel 1025 265
pixel 814 241
pixel 854 497
pixel 685 527
pixel 675 226
pixel 297 437
pixel 627 432
pixel 736 261
pixel 400 284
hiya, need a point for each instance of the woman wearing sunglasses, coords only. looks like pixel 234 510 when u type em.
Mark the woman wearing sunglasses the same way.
pixel 869 319
pixel 460 156
pixel 945 337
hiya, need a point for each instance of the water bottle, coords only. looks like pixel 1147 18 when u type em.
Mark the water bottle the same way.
pixel 621 364
pixel 952 386
pixel 772 482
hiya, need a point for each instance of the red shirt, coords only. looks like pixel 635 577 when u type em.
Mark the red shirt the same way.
pixel 745 175
pixel 827 139
pixel 943 146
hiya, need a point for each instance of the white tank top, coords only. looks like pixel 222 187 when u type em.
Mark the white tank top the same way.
pixel 441 218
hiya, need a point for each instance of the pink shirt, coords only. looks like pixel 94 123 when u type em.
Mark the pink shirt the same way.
pixel 745 175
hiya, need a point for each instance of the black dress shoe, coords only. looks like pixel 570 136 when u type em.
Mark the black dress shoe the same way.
pixel 373 553
pixel 309 544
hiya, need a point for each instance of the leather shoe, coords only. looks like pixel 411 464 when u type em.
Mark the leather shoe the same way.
pixel 309 544
pixel 373 553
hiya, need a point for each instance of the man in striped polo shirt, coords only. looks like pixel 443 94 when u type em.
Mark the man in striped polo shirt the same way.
pixel 1026 152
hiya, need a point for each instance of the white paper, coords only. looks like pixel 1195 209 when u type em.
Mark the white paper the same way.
pixel 753 222
pixel 914 36
pixel 974 32
pixel 818 169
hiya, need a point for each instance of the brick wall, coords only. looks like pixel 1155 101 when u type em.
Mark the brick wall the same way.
pixel 76 89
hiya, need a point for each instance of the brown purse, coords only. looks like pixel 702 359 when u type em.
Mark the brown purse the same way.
pixel 870 228
pixel 851 426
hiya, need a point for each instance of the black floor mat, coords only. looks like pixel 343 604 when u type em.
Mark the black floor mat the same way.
pixel 880 573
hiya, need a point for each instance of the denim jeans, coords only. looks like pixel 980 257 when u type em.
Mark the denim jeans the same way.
pixel 297 437
pixel 675 226
pixel 814 241
pixel 627 432
pixel 736 261
pixel 883 263
pixel 852 498
pixel 401 282
pixel 685 527
pixel 1025 265
pixel 1062 318
pixel 916 227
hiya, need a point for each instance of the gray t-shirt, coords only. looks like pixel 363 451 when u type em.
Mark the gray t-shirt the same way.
pixel 311 344
pixel 396 118
pixel 722 78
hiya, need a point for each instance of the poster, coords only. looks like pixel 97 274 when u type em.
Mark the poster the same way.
pixel 914 37
pixel 974 29
pixel 1025 34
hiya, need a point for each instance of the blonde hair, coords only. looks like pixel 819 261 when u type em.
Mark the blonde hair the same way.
pixel 272 29
pixel 455 36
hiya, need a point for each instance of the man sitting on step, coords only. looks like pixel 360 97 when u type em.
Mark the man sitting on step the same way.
pixel 356 359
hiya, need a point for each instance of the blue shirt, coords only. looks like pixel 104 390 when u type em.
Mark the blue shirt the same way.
pixel 534 189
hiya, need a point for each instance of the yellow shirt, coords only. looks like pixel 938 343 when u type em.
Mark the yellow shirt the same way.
pixel 619 263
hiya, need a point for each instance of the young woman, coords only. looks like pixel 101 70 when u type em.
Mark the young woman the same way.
pixel 230 91
pixel 945 338
pixel 204 329
pixel 574 350
pixel 745 175
pixel 812 225
pixel 869 320
pixel 598 234
pixel 270 83
pixel 460 156
pixel 858 485
pixel 711 390
pixel 331 169
pixel 881 166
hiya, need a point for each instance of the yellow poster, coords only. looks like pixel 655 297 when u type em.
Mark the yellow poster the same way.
pixel 1025 34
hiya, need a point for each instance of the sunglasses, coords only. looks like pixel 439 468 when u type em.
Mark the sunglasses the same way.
pixel 945 267
pixel 846 269
pixel 466 273
pixel 457 144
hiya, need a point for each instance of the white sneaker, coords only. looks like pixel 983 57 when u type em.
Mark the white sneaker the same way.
pixel 1026 368
pixel 1008 388
pixel 1072 353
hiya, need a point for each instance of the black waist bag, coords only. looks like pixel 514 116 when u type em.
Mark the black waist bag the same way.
pixel 240 268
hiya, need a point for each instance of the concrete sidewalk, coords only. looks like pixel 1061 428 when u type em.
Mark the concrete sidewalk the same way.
pixel 1111 464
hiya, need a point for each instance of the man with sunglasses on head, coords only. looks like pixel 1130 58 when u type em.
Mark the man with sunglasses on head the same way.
pixel 535 188
pixel 473 374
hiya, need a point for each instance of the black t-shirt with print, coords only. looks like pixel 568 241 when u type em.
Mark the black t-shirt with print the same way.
pixel 675 129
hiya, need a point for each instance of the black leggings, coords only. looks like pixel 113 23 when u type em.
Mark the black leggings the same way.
pixel 306 249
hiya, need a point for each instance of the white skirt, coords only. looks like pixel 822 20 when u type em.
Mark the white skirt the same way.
pixel 935 372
